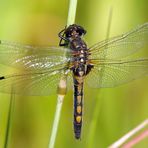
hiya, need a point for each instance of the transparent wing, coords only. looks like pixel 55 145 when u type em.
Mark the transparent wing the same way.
pixel 31 83
pixel 110 73
pixel 39 68
pixel 32 58
pixel 121 46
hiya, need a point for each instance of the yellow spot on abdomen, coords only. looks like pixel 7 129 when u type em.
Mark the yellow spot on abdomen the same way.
pixel 79 99
pixel 79 109
pixel 78 119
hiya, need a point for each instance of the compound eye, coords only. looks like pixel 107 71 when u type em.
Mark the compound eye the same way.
pixel 81 31
pixel 68 34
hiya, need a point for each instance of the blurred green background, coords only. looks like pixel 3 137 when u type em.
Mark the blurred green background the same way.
pixel 108 113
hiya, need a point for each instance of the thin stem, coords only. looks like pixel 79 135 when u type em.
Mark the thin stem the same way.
pixel 72 12
pixel 129 135
pixel 137 139
pixel 9 119
pixel 56 121
pixel 62 83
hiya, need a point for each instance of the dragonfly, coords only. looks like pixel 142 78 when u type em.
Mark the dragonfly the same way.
pixel 108 63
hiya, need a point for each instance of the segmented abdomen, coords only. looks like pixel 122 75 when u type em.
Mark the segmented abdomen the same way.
pixel 78 104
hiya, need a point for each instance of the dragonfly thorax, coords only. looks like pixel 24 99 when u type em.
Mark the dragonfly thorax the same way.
pixel 77 44
pixel 79 50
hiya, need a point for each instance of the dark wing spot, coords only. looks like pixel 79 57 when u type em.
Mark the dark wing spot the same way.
pixel 1 78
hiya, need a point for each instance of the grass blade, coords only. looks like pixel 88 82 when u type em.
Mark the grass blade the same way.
pixel 9 119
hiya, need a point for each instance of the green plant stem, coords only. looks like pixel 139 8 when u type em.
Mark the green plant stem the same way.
pixel 9 120
pixel 56 121
pixel 60 98
pixel 72 12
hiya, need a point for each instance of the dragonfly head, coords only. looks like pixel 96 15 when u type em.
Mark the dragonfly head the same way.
pixel 74 31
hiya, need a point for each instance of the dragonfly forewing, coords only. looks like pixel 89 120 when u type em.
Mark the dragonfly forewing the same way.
pixel 32 58
pixel 39 69
pixel 121 46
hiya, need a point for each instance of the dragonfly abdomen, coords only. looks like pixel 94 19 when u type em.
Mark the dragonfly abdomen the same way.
pixel 78 104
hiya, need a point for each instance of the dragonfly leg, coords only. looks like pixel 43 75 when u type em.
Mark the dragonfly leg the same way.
pixel 61 35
